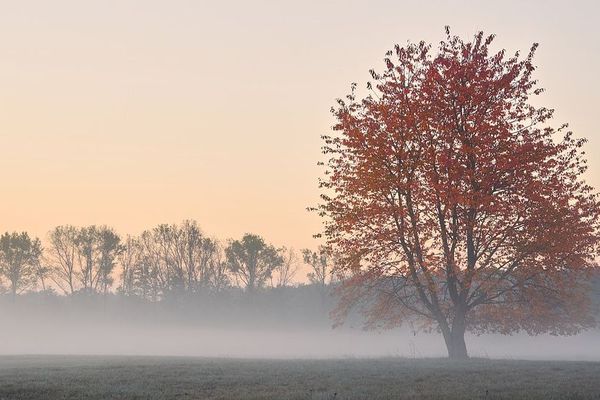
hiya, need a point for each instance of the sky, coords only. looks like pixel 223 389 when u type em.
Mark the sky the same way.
pixel 135 113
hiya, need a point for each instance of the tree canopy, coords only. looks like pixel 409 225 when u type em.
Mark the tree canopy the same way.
pixel 452 200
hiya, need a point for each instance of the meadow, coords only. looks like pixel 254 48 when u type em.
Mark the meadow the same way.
pixel 121 377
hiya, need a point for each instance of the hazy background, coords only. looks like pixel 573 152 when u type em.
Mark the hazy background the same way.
pixel 133 113
pixel 290 322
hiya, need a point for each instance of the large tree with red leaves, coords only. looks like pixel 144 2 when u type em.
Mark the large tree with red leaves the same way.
pixel 451 201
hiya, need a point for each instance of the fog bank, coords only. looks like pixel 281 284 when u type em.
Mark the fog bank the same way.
pixel 283 323
pixel 143 339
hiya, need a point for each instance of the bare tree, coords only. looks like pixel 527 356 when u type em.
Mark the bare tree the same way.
pixel 108 246
pixel 192 253
pixel 42 273
pixel 218 276
pixel 85 256
pixel 321 264
pixel 285 272
pixel 129 260
pixel 184 256
pixel 172 259
pixel 140 263
pixel 61 257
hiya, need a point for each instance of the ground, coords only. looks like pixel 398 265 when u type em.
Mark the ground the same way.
pixel 95 377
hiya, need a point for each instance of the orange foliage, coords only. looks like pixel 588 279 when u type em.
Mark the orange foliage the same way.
pixel 462 206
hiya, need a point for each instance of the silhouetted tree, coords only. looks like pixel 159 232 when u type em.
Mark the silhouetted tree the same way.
pixel 285 272
pixel 108 247
pixel 219 273
pixel 42 273
pixel 172 260
pixel 128 260
pixel 97 250
pixel 86 256
pixel 252 261
pixel 19 260
pixel 321 264
pixel 62 255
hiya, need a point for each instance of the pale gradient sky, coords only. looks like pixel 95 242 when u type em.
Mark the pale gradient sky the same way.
pixel 133 113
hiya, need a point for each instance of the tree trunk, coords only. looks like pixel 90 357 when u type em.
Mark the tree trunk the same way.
pixel 457 349
pixel 455 340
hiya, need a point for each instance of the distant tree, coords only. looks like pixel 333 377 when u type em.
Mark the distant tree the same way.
pixel 252 261
pixel 219 272
pixel 321 264
pixel 154 274
pixel 83 258
pixel 19 260
pixel 195 253
pixel 451 200
pixel 187 256
pixel 86 242
pixel 61 257
pixel 285 272
pixel 129 261
pixel 172 260
pixel 108 248
pixel 42 273
pixel 140 275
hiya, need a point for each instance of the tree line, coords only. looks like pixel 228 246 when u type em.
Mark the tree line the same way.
pixel 169 259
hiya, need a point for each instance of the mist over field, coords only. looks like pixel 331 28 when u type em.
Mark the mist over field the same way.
pixel 268 329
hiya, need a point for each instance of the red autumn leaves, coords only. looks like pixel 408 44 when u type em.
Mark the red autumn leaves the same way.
pixel 450 198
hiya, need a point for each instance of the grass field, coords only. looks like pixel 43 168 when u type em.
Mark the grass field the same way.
pixel 95 377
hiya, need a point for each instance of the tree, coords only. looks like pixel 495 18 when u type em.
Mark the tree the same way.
pixel 321 266
pixel 218 277
pixel 453 202
pixel 193 254
pixel 172 260
pixel 286 271
pixel 128 260
pixel 108 247
pixel 140 268
pixel 42 273
pixel 19 260
pixel 83 258
pixel 62 257
pixel 97 248
pixel 85 241
pixel 252 261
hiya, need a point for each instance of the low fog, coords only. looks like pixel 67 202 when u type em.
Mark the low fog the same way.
pixel 247 329
pixel 174 291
